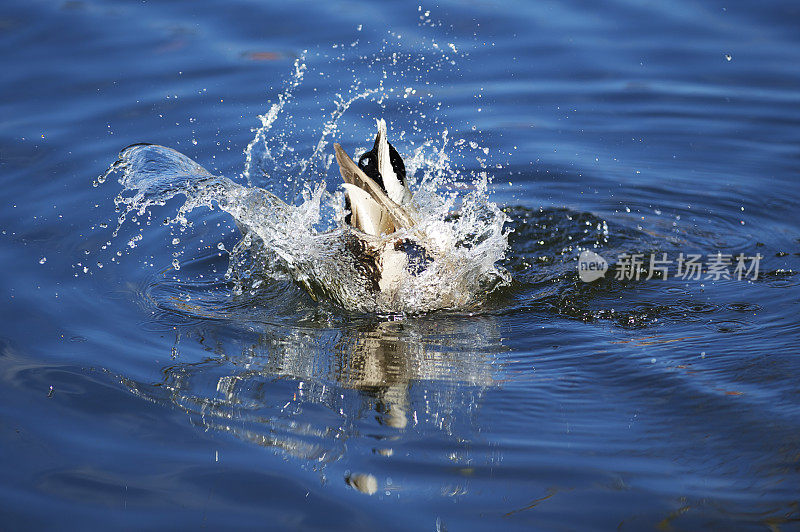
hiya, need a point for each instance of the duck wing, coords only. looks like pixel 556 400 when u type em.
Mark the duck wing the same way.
pixel 372 209
pixel 366 214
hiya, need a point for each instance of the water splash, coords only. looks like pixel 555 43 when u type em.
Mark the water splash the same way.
pixel 289 207
pixel 268 118
pixel 282 239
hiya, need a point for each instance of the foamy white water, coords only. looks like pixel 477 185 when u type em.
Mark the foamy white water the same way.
pixel 303 234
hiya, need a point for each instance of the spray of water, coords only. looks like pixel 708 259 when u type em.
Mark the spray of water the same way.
pixel 293 227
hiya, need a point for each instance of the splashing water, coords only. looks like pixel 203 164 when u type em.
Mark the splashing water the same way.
pixel 304 236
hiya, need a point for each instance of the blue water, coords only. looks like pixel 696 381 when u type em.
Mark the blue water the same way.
pixel 135 396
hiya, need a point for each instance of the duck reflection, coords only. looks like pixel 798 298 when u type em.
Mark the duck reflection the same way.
pixel 308 390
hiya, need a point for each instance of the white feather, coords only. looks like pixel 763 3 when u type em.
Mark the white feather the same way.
pixel 394 188
pixel 393 268
pixel 366 214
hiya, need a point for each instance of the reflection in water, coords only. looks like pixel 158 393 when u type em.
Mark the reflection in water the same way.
pixel 308 391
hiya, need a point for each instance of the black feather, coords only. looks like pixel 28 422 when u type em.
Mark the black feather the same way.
pixel 369 164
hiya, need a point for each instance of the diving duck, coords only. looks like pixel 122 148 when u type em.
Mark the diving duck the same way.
pixel 379 203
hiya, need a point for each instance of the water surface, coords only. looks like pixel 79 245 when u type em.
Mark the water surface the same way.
pixel 139 395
